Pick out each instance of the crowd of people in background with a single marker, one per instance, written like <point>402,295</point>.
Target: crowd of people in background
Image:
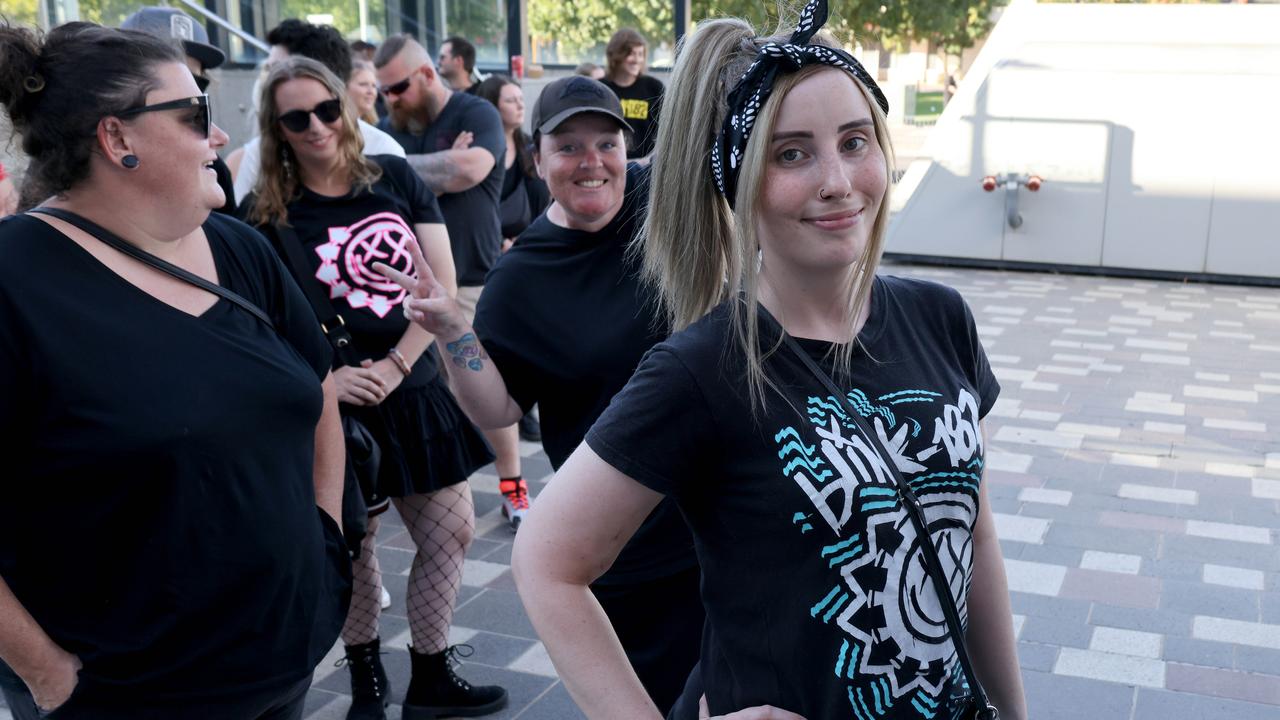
<point>365,302</point>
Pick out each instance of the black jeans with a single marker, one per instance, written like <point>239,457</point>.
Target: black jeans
<point>277,705</point>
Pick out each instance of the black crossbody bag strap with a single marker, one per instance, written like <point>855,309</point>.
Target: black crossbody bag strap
<point>114,241</point>
<point>334,327</point>
<point>983,708</point>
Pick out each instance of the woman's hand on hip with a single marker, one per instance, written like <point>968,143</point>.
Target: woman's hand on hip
<point>361,385</point>
<point>428,303</point>
<point>56,683</point>
<point>761,712</point>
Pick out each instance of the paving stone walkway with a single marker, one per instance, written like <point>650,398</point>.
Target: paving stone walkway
<point>1134,470</point>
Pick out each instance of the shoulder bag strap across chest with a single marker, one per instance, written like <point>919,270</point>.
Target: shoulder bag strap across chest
<point>331,322</point>
<point>111,239</point>
<point>915,511</point>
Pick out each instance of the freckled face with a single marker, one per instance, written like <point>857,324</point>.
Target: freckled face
<point>825,177</point>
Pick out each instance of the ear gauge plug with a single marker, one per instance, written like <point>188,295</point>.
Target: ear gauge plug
<point>130,162</point>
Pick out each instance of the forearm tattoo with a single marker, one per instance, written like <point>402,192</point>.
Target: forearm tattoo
<point>466,353</point>
<point>436,170</point>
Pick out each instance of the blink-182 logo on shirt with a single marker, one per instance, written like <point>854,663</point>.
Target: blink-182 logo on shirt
<point>635,109</point>
<point>894,651</point>
<point>346,262</point>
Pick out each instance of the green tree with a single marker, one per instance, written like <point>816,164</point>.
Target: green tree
<point>22,12</point>
<point>949,25</point>
<point>107,12</point>
<point>580,26</point>
<point>346,15</point>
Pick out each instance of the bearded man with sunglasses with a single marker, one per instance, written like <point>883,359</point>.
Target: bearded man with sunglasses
<point>173,24</point>
<point>428,119</point>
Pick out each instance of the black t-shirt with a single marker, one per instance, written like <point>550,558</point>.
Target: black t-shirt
<point>815,594</point>
<point>158,516</point>
<point>228,185</point>
<point>472,215</point>
<point>343,236</point>
<point>566,319</point>
<point>523,199</point>
<point>641,105</point>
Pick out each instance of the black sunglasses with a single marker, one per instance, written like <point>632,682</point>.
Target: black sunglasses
<point>299,120</point>
<point>200,119</point>
<point>397,88</point>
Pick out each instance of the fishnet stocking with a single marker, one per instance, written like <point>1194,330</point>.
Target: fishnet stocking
<point>441,524</point>
<point>366,592</point>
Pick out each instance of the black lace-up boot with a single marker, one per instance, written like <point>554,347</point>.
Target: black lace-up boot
<point>370,691</point>
<point>436,691</point>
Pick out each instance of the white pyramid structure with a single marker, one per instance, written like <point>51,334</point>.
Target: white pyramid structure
<point>1156,129</point>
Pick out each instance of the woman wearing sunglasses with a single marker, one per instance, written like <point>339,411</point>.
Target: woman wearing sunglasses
<point>173,457</point>
<point>332,213</point>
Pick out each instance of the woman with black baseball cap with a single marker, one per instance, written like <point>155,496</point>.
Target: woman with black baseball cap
<point>563,322</point>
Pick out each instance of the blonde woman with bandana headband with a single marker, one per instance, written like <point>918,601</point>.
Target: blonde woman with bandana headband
<point>818,600</point>
<point>819,425</point>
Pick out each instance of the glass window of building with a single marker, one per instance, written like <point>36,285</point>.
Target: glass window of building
<point>355,19</point>
<point>483,22</point>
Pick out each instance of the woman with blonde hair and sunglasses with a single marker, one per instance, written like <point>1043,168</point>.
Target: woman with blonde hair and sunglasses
<point>168,543</point>
<point>818,425</point>
<point>331,213</point>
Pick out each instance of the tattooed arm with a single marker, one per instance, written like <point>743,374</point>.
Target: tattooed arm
<point>451,171</point>
<point>475,381</point>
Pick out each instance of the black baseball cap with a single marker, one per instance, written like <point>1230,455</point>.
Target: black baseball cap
<point>173,24</point>
<point>574,95</point>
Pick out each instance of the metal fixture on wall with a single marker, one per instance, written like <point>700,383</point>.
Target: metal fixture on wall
<point>1011,183</point>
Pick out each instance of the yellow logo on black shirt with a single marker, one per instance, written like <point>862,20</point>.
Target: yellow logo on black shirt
<point>635,109</point>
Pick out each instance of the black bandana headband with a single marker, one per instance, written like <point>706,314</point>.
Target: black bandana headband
<point>751,92</point>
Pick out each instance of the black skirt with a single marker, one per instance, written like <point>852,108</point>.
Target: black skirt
<point>427,442</point>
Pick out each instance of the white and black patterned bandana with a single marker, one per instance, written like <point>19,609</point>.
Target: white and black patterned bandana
<point>751,92</point>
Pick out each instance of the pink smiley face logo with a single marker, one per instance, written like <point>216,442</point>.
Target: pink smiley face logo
<point>346,261</point>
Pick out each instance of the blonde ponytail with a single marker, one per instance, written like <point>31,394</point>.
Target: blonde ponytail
<point>688,235</point>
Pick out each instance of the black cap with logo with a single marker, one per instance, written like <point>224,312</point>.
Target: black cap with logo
<point>173,24</point>
<point>574,95</point>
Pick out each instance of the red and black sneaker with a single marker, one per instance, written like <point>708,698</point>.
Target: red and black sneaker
<point>515,501</point>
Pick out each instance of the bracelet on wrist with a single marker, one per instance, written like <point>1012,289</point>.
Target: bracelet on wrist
<point>400,362</point>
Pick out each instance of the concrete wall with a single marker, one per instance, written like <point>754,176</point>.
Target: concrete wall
<point>1153,126</point>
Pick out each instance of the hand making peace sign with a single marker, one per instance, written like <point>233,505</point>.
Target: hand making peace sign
<point>428,303</point>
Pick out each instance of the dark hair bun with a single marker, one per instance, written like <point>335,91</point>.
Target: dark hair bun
<point>19,59</point>
<point>58,87</point>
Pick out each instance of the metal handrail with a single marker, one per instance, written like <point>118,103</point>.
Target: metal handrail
<point>217,20</point>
